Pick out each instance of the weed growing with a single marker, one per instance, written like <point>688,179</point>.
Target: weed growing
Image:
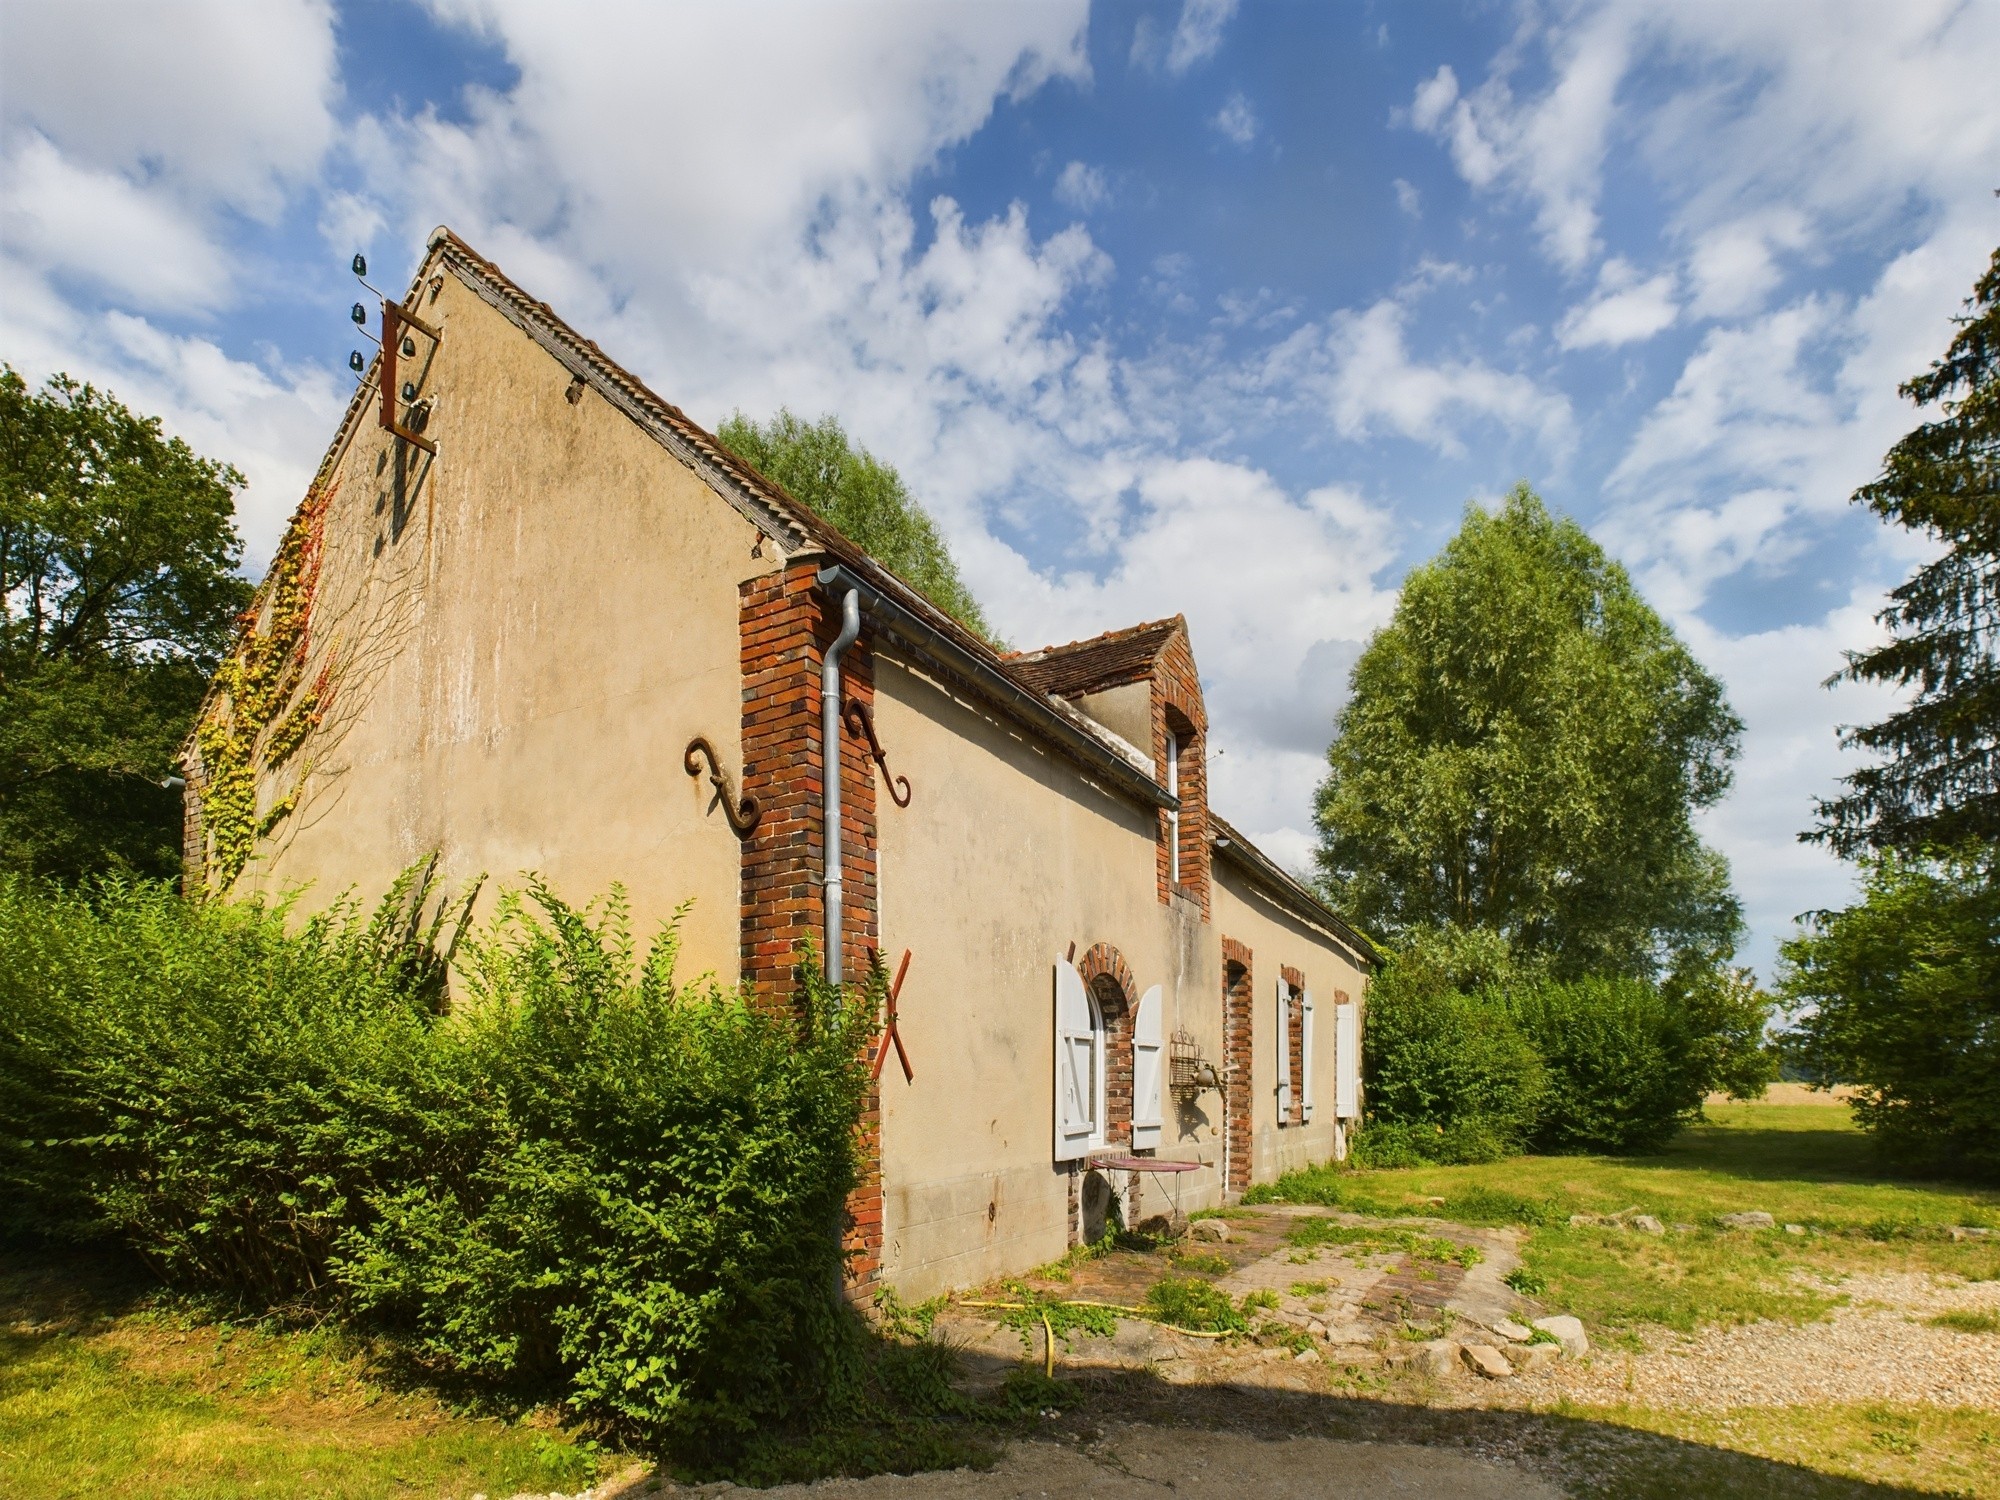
<point>1305,1234</point>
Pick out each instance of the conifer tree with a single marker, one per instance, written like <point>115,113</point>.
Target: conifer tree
<point>1937,783</point>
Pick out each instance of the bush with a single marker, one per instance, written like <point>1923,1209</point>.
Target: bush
<point>1448,1071</point>
<point>1900,994</point>
<point>581,1181</point>
<point>1622,1071</point>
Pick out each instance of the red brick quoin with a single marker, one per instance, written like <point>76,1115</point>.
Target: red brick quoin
<point>785,628</point>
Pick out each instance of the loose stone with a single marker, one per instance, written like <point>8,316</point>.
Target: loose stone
<point>1484,1360</point>
<point>1568,1332</point>
<point>1756,1218</point>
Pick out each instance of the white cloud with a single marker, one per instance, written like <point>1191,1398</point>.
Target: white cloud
<point>231,103</point>
<point>1624,310</point>
<point>1734,265</point>
<point>1358,364</point>
<point>1236,120</point>
<point>1549,149</point>
<point>1791,754</point>
<point>1199,33</point>
<point>1408,199</point>
<point>1082,187</point>
<point>97,227</point>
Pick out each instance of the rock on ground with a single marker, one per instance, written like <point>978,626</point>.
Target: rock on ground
<point>1568,1332</point>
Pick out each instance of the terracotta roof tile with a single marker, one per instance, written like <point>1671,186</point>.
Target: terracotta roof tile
<point>1103,661</point>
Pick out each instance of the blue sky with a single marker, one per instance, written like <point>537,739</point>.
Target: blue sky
<point>1189,306</point>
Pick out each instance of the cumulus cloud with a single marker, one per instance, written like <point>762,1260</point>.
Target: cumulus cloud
<point>1359,366</point>
<point>1196,37</point>
<point>1408,199</point>
<point>1623,310</point>
<point>1082,187</point>
<point>1236,120</point>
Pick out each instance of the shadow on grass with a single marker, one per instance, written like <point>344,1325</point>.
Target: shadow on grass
<point>1775,1154</point>
<point>1579,1454</point>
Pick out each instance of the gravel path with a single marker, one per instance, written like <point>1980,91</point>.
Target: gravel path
<point>1875,1348</point>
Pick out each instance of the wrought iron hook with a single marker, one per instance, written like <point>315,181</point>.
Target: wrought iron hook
<point>742,816</point>
<point>861,722</point>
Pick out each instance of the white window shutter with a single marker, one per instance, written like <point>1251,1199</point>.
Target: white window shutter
<point>1075,1065</point>
<point>1306,1056</point>
<point>1284,1041</point>
<point>1347,1059</point>
<point>1149,1069</point>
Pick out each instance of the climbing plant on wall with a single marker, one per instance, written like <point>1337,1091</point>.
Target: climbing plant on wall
<point>257,717</point>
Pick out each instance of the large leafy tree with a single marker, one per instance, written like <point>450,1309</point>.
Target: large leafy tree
<point>1900,995</point>
<point>863,497</point>
<point>1938,782</point>
<point>118,594</point>
<point>1524,750</point>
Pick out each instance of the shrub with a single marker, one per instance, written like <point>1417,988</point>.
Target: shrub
<point>1447,1064</point>
<point>1900,994</point>
<point>582,1181</point>
<point>1622,1074</point>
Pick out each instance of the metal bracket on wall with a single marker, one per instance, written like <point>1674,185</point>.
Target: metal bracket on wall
<point>742,815</point>
<point>394,316</point>
<point>889,1031</point>
<point>861,722</point>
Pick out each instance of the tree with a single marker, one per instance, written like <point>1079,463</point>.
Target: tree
<point>1900,994</point>
<point>1939,783</point>
<point>1524,749</point>
<point>864,498</point>
<point>118,595</point>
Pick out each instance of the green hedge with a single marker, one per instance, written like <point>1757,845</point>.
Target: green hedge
<point>580,1180</point>
<point>1475,1053</point>
<point>1620,1070</point>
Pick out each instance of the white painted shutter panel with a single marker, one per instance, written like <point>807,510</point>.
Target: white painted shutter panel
<point>1149,1070</point>
<point>1347,1058</point>
<point>1306,1056</point>
<point>1076,1075</point>
<point>1284,1041</point>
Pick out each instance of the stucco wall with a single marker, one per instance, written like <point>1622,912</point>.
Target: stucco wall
<point>529,629</point>
<point>1277,939</point>
<point>1004,857</point>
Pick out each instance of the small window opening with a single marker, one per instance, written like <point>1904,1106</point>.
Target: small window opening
<point>1174,817</point>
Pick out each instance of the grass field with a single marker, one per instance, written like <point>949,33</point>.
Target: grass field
<point>1804,1164</point>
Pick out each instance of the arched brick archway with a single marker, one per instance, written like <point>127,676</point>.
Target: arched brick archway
<point>1109,979</point>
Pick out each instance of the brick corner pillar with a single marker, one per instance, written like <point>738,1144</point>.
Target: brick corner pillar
<point>1238,997</point>
<point>785,627</point>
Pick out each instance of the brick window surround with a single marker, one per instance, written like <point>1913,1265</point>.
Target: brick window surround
<point>1178,709</point>
<point>1295,1042</point>
<point>1109,979</point>
<point>1238,1000</point>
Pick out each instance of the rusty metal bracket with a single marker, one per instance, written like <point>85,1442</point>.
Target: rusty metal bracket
<point>393,314</point>
<point>889,1031</point>
<point>861,722</point>
<point>742,815</point>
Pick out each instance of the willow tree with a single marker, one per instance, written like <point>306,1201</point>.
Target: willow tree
<point>864,498</point>
<point>1524,750</point>
<point>1937,782</point>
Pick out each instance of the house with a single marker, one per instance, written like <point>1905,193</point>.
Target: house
<point>531,617</point>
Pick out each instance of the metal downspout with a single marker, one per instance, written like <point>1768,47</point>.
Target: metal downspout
<point>829,774</point>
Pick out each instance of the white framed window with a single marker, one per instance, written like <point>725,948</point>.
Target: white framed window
<point>1174,817</point>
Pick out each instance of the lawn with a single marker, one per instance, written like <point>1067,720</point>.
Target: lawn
<point>1804,1164</point>
<point>108,1389</point>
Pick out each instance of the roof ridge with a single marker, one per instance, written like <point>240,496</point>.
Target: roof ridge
<point>1123,632</point>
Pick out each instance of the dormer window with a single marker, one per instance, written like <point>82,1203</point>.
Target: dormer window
<point>1174,817</point>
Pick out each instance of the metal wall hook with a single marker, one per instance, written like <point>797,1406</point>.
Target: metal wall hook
<point>861,723</point>
<point>742,815</point>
